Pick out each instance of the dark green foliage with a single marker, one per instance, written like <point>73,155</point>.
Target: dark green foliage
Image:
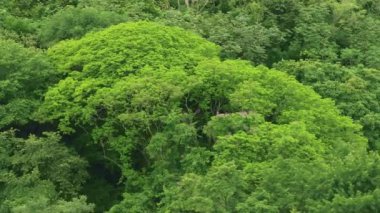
<point>25,74</point>
<point>240,36</point>
<point>39,174</point>
<point>74,23</point>
<point>35,8</point>
<point>19,29</point>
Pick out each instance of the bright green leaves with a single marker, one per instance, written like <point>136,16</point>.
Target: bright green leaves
<point>267,142</point>
<point>126,48</point>
<point>236,87</point>
<point>230,123</point>
<point>193,133</point>
<point>355,89</point>
<point>259,100</point>
<point>126,87</point>
<point>72,95</point>
<point>217,81</point>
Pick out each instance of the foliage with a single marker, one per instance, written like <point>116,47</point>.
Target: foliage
<point>149,117</point>
<point>24,77</point>
<point>227,117</point>
<point>240,36</point>
<point>40,174</point>
<point>355,90</point>
<point>35,9</point>
<point>20,29</point>
<point>74,23</point>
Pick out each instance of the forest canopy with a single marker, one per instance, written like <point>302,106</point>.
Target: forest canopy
<point>189,106</point>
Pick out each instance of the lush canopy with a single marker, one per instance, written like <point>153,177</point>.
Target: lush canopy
<point>194,118</point>
<point>189,106</point>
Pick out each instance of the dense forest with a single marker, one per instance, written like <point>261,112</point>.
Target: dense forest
<point>189,106</point>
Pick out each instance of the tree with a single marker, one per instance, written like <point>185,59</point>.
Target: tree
<point>25,75</point>
<point>354,89</point>
<point>239,35</point>
<point>35,9</point>
<point>22,30</point>
<point>70,23</point>
<point>162,120</point>
<point>179,118</point>
<point>40,174</point>
<point>129,96</point>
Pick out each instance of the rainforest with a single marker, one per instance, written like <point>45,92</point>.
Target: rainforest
<point>175,106</point>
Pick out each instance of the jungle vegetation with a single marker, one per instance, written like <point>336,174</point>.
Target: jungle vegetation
<point>189,106</point>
